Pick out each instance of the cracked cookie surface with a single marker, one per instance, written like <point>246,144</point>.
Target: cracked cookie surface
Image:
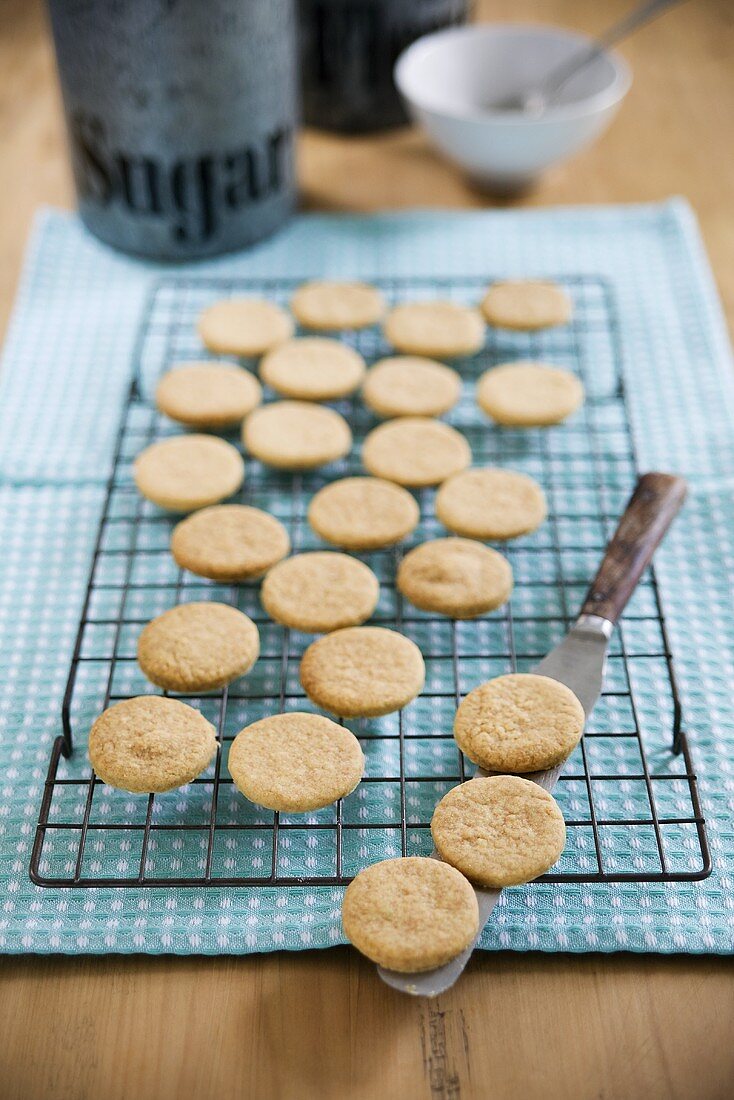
<point>499,831</point>
<point>362,671</point>
<point>320,591</point>
<point>295,762</point>
<point>198,647</point>
<point>150,744</point>
<point>521,722</point>
<point>410,914</point>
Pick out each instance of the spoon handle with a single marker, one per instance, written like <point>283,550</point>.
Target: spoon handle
<point>559,77</point>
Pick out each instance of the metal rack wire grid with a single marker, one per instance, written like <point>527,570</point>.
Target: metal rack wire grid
<point>628,793</point>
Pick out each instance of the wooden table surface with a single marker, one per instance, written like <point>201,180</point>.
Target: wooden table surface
<point>320,1024</point>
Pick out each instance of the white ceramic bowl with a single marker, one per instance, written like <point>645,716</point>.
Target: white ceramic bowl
<point>450,79</point>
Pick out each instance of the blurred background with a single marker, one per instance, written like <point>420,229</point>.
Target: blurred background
<point>672,135</point>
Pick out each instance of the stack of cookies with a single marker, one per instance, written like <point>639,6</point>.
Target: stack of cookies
<point>411,913</point>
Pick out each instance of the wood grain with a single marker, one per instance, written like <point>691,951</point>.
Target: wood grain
<point>653,506</point>
<point>320,1024</point>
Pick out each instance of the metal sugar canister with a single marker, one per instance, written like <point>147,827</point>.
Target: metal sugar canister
<point>181,118</point>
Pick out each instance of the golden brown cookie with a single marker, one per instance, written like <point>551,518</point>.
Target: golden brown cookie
<point>529,395</point>
<point>150,744</point>
<point>208,395</point>
<point>313,368</point>
<point>229,542</point>
<point>519,723</point>
<point>456,577</point>
<point>500,831</point>
<point>415,451</point>
<point>438,330</point>
<point>295,762</point>
<point>526,304</point>
<point>410,914</point>
<point>325,304</point>
<point>406,385</point>
<point>320,591</point>
<point>198,647</point>
<point>491,503</point>
<point>187,472</point>
<point>362,672</point>
<point>363,513</point>
<point>296,435</point>
<point>244,326</point>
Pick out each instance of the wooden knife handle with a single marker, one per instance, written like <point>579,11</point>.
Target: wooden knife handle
<point>651,509</point>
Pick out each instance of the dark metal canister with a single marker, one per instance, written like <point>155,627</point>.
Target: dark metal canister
<point>181,117</point>
<point>348,50</point>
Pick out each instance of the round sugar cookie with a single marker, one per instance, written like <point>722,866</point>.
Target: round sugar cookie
<point>362,672</point>
<point>437,330</point>
<point>187,472</point>
<point>363,513</point>
<point>313,368</point>
<point>320,591</point>
<point>296,435</point>
<point>150,744</point>
<point>244,326</point>
<point>198,647</point>
<point>328,305</point>
<point>295,762</point>
<point>406,385</point>
<point>415,451</point>
<point>529,395</point>
<point>208,395</point>
<point>490,503</point>
<point>499,831</point>
<point>229,542</point>
<point>456,577</point>
<point>410,914</point>
<point>519,723</point>
<point>526,304</point>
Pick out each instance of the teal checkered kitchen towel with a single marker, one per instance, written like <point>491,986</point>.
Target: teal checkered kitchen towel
<point>66,371</point>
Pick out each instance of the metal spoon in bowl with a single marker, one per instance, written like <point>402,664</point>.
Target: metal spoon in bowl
<point>535,100</point>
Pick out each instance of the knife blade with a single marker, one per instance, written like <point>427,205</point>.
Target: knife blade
<point>578,661</point>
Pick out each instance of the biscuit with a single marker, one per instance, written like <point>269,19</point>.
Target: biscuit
<point>406,385</point>
<point>526,304</point>
<point>187,472</point>
<point>362,672</point>
<point>437,330</point>
<point>491,503</point>
<point>325,305</point>
<point>456,577</point>
<point>313,368</point>
<point>295,762</point>
<point>320,591</point>
<point>198,647</point>
<point>415,451</point>
<point>410,914</point>
<point>499,831</point>
<point>529,395</point>
<point>244,326</point>
<point>296,435</point>
<point>229,542</point>
<point>150,744</point>
<point>519,723</point>
<point>363,513</point>
<point>208,395</point>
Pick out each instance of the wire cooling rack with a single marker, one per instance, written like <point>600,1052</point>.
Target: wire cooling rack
<point>629,791</point>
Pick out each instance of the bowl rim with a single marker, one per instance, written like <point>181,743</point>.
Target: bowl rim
<point>591,104</point>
